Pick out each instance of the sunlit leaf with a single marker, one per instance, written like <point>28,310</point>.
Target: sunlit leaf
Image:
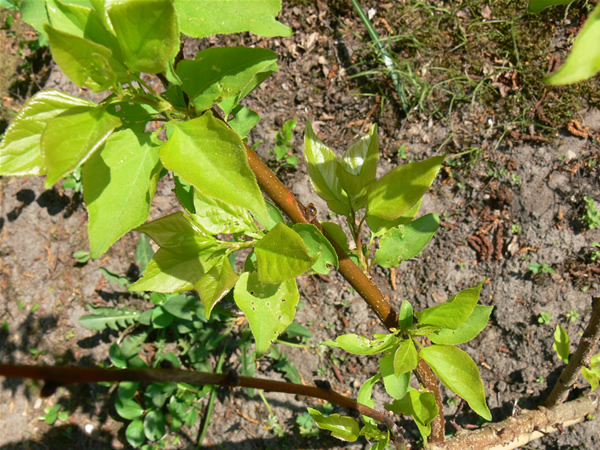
<point>406,357</point>
<point>421,406</point>
<point>318,246</point>
<point>470,328</point>
<point>395,385</point>
<point>561,343</point>
<point>341,427</point>
<point>454,311</point>
<point>360,345</point>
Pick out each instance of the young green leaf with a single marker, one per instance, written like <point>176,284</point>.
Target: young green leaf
<point>584,60</point>
<point>282,255</point>
<point>459,373</point>
<point>20,152</point>
<point>358,168</point>
<point>244,119</point>
<point>235,16</point>
<point>212,157</point>
<point>341,427</point>
<point>454,311</point>
<point>406,357</point>
<point>365,394</point>
<point>154,425</point>
<point>421,406</point>
<point>84,62</point>
<point>337,234</point>
<point>181,306</point>
<point>171,230</point>
<point>592,376</point>
<point>143,252</point>
<point>128,408</point>
<point>465,332</point>
<point>217,216</point>
<point>405,317</point>
<point>113,318</point>
<point>147,33</point>
<point>322,165</point>
<point>70,139</point>
<point>135,433</point>
<point>360,345</point>
<point>118,186</point>
<point>318,246</point>
<point>395,385</point>
<point>270,308</point>
<point>379,227</point>
<point>224,72</point>
<point>406,241</point>
<point>400,189</point>
<point>561,343</point>
<point>216,283</point>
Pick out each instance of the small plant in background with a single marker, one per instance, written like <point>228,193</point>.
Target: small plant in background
<point>54,413</point>
<point>540,268</point>
<point>544,318</point>
<point>573,315</point>
<point>283,145</point>
<point>591,215</point>
<point>595,253</point>
<point>73,181</point>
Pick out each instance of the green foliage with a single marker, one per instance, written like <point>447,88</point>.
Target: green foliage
<point>283,144</point>
<point>592,215</point>
<point>540,268</point>
<point>544,318</point>
<point>561,343</point>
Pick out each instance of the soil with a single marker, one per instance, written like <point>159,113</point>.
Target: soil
<point>509,195</point>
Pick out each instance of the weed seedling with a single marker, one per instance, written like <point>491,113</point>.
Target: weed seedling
<point>540,268</point>
<point>573,315</point>
<point>544,318</point>
<point>592,215</point>
<point>283,145</point>
<point>595,253</point>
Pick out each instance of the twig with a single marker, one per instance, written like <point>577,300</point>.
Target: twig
<point>525,427</point>
<point>58,376</point>
<point>579,359</point>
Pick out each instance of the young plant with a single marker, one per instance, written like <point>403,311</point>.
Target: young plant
<point>592,215</point>
<point>283,145</point>
<point>540,268</point>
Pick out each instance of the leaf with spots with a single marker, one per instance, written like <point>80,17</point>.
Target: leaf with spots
<point>270,308</point>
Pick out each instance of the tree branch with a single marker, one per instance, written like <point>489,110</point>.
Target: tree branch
<point>579,359</point>
<point>58,376</point>
<point>527,426</point>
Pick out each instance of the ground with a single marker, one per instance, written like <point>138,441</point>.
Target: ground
<point>520,159</point>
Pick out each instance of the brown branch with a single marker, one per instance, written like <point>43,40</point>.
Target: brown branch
<point>579,359</point>
<point>527,426</point>
<point>427,378</point>
<point>58,376</point>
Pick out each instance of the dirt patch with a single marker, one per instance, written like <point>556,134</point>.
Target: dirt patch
<point>510,195</point>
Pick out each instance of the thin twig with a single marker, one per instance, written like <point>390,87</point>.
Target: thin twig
<point>58,376</point>
<point>581,358</point>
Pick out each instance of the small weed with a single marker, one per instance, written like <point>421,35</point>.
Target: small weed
<point>591,216</point>
<point>307,425</point>
<point>81,256</point>
<point>544,318</point>
<point>516,229</point>
<point>595,253</point>
<point>573,315</point>
<point>539,379</point>
<point>73,181</point>
<point>283,145</point>
<point>540,268</point>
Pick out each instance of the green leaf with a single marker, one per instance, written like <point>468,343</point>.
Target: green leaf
<point>365,394</point>
<point>459,373</point>
<point>181,306</point>
<point>172,230</point>
<point>470,328</point>
<point>421,406</point>
<point>216,283</point>
<point>406,241</point>
<point>358,168</point>
<point>561,343</point>
<point>135,433</point>
<point>234,16</point>
<point>281,255</point>
<point>84,62</point>
<point>538,5</point>
<point>20,152</point>
<point>244,119</point>
<point>128,408</point>
<point>52,414</point>
<point>224,72</point>
<point>270,308</point>
<point>119,182</point>
<point>318,246</point>
<point>212,157</point>
<point>71,138</point>
<point>35,16</point>
<point>584,60</point>
<point>275,216</point>
<point>406,357</point>
<point>154,425</point>
<point>112,318</point>
<point>143,252</point>
<point>454,311</point>
<point>147,33</point>
<point>381,226</point>
<point>297,330</point>
<point>400,189</point>
<point>322,166</point>
<point>337,234</point>
<point>161,318</point>
<point>395,385</point>
<point>360,345</point>
<point>184,193</point>
<point>217,216</point>
<point>405,317</point>
<point>341,427</point>
<point>592,376</point>
<point>116,356</point>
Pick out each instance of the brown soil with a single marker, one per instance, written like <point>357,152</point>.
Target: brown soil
<point>514,199</point>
